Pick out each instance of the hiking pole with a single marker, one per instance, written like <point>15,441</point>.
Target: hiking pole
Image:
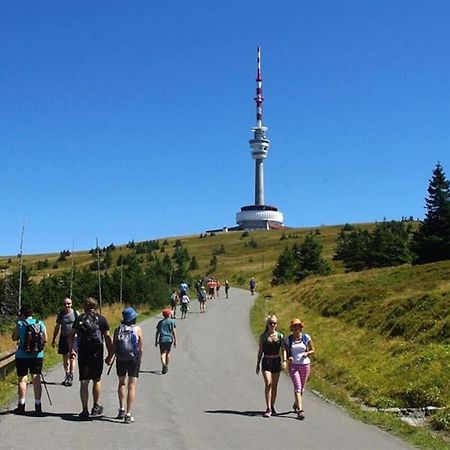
<point>99,278</point>
<point>71,273</point>
<point>46,389</point>
<point>110,367</point>
<point>21,266</point>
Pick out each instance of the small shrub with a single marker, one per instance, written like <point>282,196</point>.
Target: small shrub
<point>440,420</point>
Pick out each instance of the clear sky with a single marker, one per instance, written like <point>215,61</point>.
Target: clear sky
<point>130,119</point>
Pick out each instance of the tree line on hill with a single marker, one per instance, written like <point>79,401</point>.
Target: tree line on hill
<point>388,244</point>
<point>136,283</point>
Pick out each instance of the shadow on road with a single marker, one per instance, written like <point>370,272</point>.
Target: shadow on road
<point>284,415</point>
<point>153,372</point>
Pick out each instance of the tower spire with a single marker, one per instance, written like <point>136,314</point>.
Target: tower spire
<point>259,92</point>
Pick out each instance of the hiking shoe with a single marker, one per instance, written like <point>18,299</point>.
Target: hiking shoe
<point>121,414</point>
<point>128,418</point>
<point>84,415</point>
<point>38,408</point>
<point>20,410</point>
<point>274,413</point>
<point>96,410</point>
<point>164,369</point>
<point>268,413</point>
<point>300,415</point>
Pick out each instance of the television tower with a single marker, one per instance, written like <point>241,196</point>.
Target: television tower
<point>259,215</point>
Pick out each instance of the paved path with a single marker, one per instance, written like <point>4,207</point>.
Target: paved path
<point>211,398</point>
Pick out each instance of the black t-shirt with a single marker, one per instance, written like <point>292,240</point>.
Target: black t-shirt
<point>85,346</point>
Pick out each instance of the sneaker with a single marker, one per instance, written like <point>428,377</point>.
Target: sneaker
<point>300,414</point>
<point>268,413</point>
<point>164,369</point>
<point>69,381</point>
<point>38,408</point>
<point>84,415</point>
<point>128,418</point>
<point>64,382</point>
<point>274,413</point>
<point>121,414</point>
<point>20,410</point>
<point>96,410</point>
<point>294,407</point>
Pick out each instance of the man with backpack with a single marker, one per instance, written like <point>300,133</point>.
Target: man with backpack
<point>64,323</point>
<point>31,336</point>
<point>127,348</point>
<point>92,331</point>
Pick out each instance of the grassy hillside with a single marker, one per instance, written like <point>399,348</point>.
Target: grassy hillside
<point>382,336</point>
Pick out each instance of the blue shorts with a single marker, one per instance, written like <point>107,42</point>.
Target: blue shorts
<point>164,347</point>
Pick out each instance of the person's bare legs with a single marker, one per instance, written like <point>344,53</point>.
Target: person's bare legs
<point>273,396</point>
<point>84,393</point>
<point>37,386</point>
<point>268,388</point>
<point>121,392</point>
<point>96,390</point>
<point>132,383</point>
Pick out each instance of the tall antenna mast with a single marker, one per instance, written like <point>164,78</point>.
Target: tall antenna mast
<point>99,278</point>
<point>259,92</point>
<point>21,265</point>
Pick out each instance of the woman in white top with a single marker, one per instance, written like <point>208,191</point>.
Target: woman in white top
<point>297,348</point>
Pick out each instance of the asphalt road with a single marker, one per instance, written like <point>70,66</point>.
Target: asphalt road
<point>211,398</point>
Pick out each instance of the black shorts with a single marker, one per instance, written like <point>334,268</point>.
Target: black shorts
<point>164,347</point>
<point>271,364</point>
<point>90,366</point>
<point>63,345</point>
<point>32,365</point>
<point>130,368</point>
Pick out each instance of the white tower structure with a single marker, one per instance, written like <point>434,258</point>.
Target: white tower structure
<point>259,215</point>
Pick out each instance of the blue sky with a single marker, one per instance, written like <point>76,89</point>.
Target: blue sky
<point>131,120</point>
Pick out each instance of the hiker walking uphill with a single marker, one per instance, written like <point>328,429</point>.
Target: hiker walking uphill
<point>92,330</point>
<point>165,336</point>
<point>64,322</point>
<point>31,336</point>
<point>252,285</point>
<point>127,348</point>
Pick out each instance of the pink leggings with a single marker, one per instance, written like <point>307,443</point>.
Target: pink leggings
<point>299,375</point>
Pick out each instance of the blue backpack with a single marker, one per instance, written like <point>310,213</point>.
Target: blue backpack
<point>126,343</point>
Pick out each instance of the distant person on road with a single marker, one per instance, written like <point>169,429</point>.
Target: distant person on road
<point>184,288</point>
<point>184,305</point>
<point>92,331</point>
<point>64,321</point>
<point>217,288</point>
<point>127,348</point>
<point>31,336</point>
<point>165,336</point>
<point>252,285</point>
<point>270,343</point>
<point>297,348</point>
<point>174,299</point>
<point>227,288</point>
<point>211,288</point>
<point>201,297</point>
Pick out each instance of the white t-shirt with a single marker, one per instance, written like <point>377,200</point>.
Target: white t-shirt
<point>298,348</point>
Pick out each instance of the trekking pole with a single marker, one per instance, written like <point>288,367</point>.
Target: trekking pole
<point>99,277</point>
<point>21,266</point>
<point>71,273</point>
<point>46,389</point>
<point>110,367</point>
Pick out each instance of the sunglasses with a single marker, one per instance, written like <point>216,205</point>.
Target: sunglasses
<point>67,304</point>
<point>273,323</point>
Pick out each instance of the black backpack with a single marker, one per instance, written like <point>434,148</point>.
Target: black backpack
<point>34,337</point>
<point>88,329</point>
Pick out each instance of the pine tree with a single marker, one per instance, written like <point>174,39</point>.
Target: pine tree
<point>310,260</point>
<point>432,239</point>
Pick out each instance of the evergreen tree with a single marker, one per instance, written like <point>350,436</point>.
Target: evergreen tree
<point>286,267</point>
<point>432,239</point>
<point>310,260</point>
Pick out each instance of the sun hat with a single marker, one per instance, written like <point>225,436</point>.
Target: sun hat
<point>166,312</point>
<point>295,322</point>
<point>129,314</point>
